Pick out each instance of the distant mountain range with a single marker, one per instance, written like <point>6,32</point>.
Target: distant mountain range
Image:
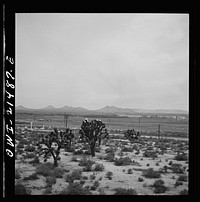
<point>108,110</point>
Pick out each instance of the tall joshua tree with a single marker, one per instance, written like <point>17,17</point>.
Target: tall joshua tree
<point>48,140</point>
<point>93,131</point>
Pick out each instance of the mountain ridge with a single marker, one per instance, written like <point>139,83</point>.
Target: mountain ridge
<point>107,109</point>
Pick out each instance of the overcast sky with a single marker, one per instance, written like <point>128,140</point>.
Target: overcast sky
<point>94,60</point>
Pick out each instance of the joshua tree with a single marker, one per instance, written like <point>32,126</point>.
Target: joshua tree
<point>66,137</point>
<point>92,131</point>
<point>48,140</point>
<point>131,135</point>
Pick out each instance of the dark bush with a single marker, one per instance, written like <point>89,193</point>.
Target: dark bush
<point>127,149</point>
<point>29,156</point>
<point>183,192</point>
<point>99,167</point>
<point>35,161</point>
<point>85,162</point>
<point>109,175</point>
<point>122,161</point>
<point>110,157</point>
<point>159,187</point>
<point>122,191</point>
<point>17,175</point>
<point>74,175</point>
<point>20,190</point>
<point>29,148</point>
<point>151,154</point>
<point>178,183</point>
<point>140,179</point>
<point>150,173</point>
<point>32,177</point>
<point>76,189</point>
<point>50,181</point>
<point>177,168</point>
<point>181,157</point>
<point>183,178</point>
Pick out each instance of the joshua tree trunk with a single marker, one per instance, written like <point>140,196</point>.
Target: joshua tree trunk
<point>99,141</point>
<point>55,159</point>
<point>92,148</point>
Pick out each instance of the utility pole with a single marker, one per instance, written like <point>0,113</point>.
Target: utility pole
<point>66,119</point>
<point>158,131</point>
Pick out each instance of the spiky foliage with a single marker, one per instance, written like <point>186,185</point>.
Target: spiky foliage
<point>131,135</point>
<point>48,141</point>
<point>66,137</point>
<point>93,131</point>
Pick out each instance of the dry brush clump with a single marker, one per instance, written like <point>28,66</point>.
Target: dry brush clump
<point>122,161</point>
<point>75,188</point>
<point>151,173</point>
<point>123,191</point>
<point>159,186</point>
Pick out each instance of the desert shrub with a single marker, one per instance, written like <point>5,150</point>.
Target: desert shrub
<point>99,167</point>
<point>140,179</point>
<point>183,192</point>
<point>148,164</point>
<point>183,178</point>
<point>20,145</point>
<point>150,173</point>
<point>177,168</point>
<point>34,161</point>
<point>181,157</point>
<point>101,191</point>
<point>130,171</point>
<point>78,152</point>
<point>32,177</point>
<point>74,175</point>
<point>43,170</point>
<point>50,181</point>
<point>76,188</point>
<point>85,177</point>
<point>109,175</point>
<point>122,191</point>
<point>85,161</point>
<point>29,148</point>
<point>110,150</point>
<point>29,156</point>
<point>157,164</point>
<point>95,185</point>
<point>127,149</point>
<point>122,161</point>
<point>110,157</point>
<point>178,183</point>
<point>17,175</point>
<point>92,177</point>
<point>70,149</point>
<point>20,190</point>
<point>58,172</point>
<point>170,163</point>
<point>159,187</point>
<point>74,159</point>
<point>48,190</point>
<point>151,154</point>
<point>82,182</point>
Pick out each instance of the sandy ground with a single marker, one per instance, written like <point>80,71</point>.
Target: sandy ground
<point>120,176</point>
